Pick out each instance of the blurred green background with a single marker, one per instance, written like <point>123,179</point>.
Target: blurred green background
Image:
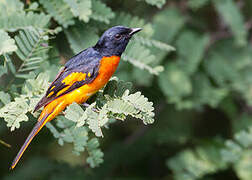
<point>202,91</point>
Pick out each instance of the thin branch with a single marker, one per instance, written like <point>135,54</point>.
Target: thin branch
<point>5,144</point>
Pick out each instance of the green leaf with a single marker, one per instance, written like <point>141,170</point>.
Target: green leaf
<point>8,7</point>
<point>78,136</point>
<point>235,148</point>
<point>76,114</point>
<point>95,155</point>
<point>101,12</point>
<point>174,83</point>
<point>80,8</point>
<point>13,17</point>
<point>15,112</point>
<point>119,106</point>
<point>93,121</point>
<point>232,16</point>
<point>205,93</point>
<point>3,70</point>
<point>238,153</point>
<point>244,166</point>
<point>36,86</point>
<point>78,40</point>
<point>169,19</point>
<point>141,57</point>
<point>158,3</point>
<point>190,57</point>
<point>154,43</point>
<point>59,10</point>
<point>7,44</point>
<point>32,49</point>
<point>4,97</point>
<point>141,104</point>
<point>197,4</point>
<point>194,164</point>
<point>116,88</point>
<point>231,67</point>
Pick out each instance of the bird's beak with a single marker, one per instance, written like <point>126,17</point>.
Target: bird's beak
<point>134,31</point>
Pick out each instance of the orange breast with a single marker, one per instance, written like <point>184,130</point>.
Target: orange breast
<point>107,68</point>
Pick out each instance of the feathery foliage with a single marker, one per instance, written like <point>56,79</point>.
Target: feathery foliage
<point>13,17</point>
<point>78,40</point>
<point>60,11</point>
<point>158,3</point>
<point>80,8</point>
<point>194,164</point>
<point>101,12</point>
<point>7,44</point>
<point>32,49</point>
<point>231,15</point>
<point>192,60</point>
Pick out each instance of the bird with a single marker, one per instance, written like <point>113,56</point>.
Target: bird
<point>81,77</point>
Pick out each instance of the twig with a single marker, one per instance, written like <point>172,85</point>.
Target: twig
<point>5,144</point>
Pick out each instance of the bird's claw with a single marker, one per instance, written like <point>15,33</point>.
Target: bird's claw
<point>87,105</point>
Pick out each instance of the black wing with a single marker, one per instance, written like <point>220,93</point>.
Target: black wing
<point>80,70</point>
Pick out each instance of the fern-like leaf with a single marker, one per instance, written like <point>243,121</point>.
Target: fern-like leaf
<point>13,17</point>
<point>76,114</point>
<point>80,8</point>
<point>118,104</point>
<point>4,98</point>
<point>79,40</point>
<point>237,152</point>
<point>197,44</point>
<point>32,49</point>
<point>194,164</point>
<point>158,3</point>
<point>15,112</point>
<point>234,19</point>
<point>170,19</point>
<point>154,43</point>
<point>141,60</point>
<point>59,10</point>
<point>7,44</point>
<point>101,12</point>
<point>196,4</point>
<point>3,70</point>
<point>95,155</point>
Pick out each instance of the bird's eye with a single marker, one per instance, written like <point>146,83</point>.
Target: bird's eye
<point>118,36</point>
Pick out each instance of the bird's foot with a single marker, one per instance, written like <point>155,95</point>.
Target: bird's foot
<point>87,105</point>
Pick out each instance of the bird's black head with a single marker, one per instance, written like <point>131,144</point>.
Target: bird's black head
<point>114,41</point>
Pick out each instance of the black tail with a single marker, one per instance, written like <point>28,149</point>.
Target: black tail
<point>28,140</point>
